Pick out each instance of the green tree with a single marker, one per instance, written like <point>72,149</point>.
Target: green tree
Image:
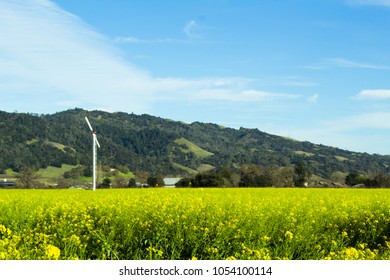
<point>283,177</point>
<point>251,180</point>
<point>185,183</point>
<point>301,175</point>
<point>208,180</point>
<point>28,178</point>
<point>74,172</point>
<point>256,176</point>
<point>106,183</point>
<point>355,178</point>
<point>120,182</point>
<point>155,181</point>
<point>383,180</point>
<point>132,183</point>
<point>87,171</point>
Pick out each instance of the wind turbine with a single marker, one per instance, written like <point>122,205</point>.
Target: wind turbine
<point>94,143</point>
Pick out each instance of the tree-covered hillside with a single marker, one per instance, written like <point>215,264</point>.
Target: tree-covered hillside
<point>163,147</point>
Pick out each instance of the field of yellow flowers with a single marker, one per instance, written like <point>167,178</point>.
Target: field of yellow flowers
<point>195,224</point>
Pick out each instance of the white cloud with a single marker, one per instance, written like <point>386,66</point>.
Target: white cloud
<point>51,59</point>
<point>51,55</point>
<point>192,29</point>
<point>243,95</point>
<point>375,94</point>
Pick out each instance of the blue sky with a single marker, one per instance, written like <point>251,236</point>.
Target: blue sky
<point>311,70</point>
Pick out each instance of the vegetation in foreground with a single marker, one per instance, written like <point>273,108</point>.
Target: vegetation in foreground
<point>195,224</point>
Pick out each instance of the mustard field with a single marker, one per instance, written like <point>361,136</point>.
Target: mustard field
<point>195,224</point>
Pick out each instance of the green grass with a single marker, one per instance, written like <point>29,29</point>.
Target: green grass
<point>51,174</point>
<point>291,139</point>
<point>303,153</point>
<point>54,172</point>
<point>9,171</point>
<point>340,158</point>
<point>56,145</point>
<point>191,147</point>
<point>32,141</point>
<point>205,168</point>
<point>184,168</point>
<point>195,224</point>
<point>198,152</point>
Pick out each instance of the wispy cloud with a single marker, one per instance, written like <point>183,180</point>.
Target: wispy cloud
<point>244,95</point>
<point>291,81</point>
<point>373,94</point>
<point>135,40</point>
<point>341,132</point>
<point>340,62</point>
<point>377,120</point>
<point>192,29</point>
<point>313,98</point>
<point>385,3</point>
<point>228,89</point>
<point>49,55</point>
<point>346,63</point>
<point>51,59</point>
<point>128,39</point>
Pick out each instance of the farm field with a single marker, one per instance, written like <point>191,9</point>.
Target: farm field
<point>202,224</point>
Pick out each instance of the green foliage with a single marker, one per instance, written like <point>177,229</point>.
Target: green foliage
<point>202,180</point>
<point>74,173</point>
<point>190,147</point>
<point>248,180</point>
<point>27,178</point>
<point>355,178</point>
<point>301,175</point>
<point>256,176</point>
<point>379,180</point>
<point>207,180</point>
<point>155,181</point>
<point>132,183</point>
<point>106,183</point>
<point>185,183</point>
<point>143,143</point>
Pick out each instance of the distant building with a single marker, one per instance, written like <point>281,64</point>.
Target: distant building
<point>6,184</point>
<point>141,185</point>
<point>171,182</point>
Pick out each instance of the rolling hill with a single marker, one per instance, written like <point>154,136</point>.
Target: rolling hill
<point>144,143</point>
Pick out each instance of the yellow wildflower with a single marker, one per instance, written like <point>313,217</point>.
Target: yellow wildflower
<point>289,235</point>
<point>52,252</point>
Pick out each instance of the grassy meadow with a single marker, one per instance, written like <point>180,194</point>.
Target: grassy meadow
<point>202,224</point>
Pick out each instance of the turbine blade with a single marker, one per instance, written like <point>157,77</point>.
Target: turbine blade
<point>89,124</point>
<point>97,142</point>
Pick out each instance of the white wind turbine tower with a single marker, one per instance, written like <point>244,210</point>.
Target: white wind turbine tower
<point>94,143</point>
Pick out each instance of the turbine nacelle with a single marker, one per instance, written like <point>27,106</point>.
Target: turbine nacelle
<point>93,132</point>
